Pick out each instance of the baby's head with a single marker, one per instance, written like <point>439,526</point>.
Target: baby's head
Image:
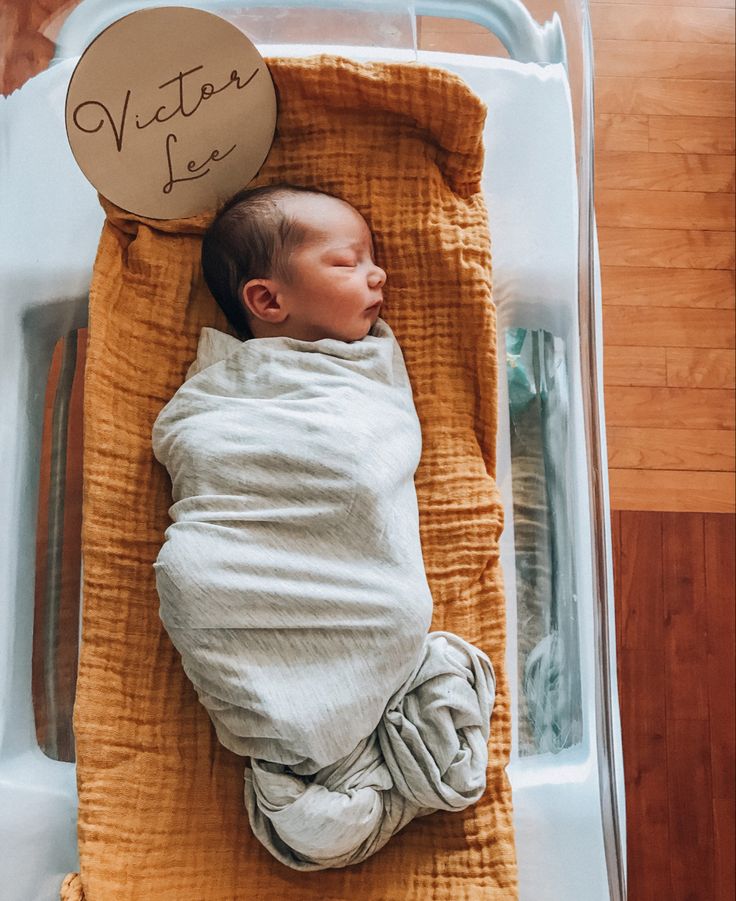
<point>289,261</point>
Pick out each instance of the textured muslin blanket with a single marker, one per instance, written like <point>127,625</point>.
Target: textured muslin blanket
<point>161,812</point>
<point>293,585</point>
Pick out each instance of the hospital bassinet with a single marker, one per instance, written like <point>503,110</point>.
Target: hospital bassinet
<point>566,762</point>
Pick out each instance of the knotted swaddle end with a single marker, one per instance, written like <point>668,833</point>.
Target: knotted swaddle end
<point>429,752</point>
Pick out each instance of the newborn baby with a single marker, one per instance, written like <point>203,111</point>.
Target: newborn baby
<point>287,261</point>
<point>291,579</point>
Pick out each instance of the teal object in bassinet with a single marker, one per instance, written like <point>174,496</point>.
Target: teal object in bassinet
<point>543,484</point>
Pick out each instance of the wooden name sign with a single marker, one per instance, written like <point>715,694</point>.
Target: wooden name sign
<point>170,111</point>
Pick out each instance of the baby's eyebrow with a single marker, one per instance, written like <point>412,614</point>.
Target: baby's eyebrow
<point>356,244</point>
<point>342,246</point>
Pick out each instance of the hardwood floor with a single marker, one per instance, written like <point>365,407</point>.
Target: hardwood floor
<point>674,578</point>
<point>664,170</point>
<point>665,175</point>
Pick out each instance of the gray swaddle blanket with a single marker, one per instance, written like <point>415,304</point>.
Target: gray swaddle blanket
<point>292,583</point>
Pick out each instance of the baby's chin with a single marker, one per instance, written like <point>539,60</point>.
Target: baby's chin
<point>349,336</point>
<point>355,333</point>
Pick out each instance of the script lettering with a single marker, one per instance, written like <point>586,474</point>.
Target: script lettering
<point>192,165</point>
<point>117,132</point>
<point>206,90</point>
<point>188,100</point>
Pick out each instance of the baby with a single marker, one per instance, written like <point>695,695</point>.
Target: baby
<point>291,578</point>
<point>289,261</point>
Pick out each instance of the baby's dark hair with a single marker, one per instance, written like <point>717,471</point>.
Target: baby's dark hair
<point>251,236</point>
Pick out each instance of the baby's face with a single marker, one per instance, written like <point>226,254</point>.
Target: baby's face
<point>334,287</point>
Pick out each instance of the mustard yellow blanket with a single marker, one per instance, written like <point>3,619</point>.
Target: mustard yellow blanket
<point>161,812</point>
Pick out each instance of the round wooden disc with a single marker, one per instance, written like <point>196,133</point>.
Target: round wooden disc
<point>170,111</point>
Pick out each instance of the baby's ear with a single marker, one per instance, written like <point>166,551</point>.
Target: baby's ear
<point>260,297</point>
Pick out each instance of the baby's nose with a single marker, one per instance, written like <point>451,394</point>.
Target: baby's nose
<point>377,277</point>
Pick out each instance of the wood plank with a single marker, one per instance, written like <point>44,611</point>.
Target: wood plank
<point>724,827</point>
<point>664,209</point>
<point>664,59</point>
<point>687,706</point>
<point>640,603</point>
<point>690,134</point>
<point>645,743</point>
<point>651,448</point>
<point>670,408</point>
<point>700,368</point>
<point>646,171</point>
<point>663,96</point>
<point>691,835</point>
<point>671,248</point>
<point>449,25</point>
<point>619,21</point>
<point>700,4</point>
<point>720,575</point>
<point>617,132</point>
<point>634,365</point>
<point>457,36</point>
<point>668,326</point>
<point>639,611</point>
<point>655,286</point>
<point>685,620</point>
<point>672,490</point>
